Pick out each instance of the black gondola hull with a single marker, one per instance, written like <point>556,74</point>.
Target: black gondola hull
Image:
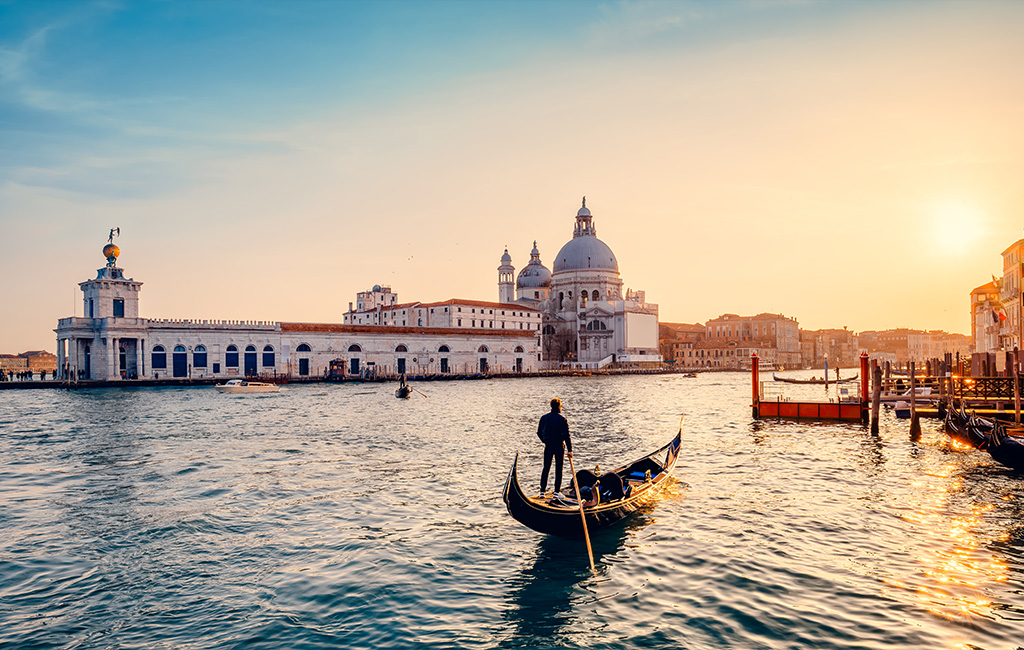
<point>565,521</point>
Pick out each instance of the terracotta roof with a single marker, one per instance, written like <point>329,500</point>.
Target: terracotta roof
<point>479,303</point>
<point>339,328</point>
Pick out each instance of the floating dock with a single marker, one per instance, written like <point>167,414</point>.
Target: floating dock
<point>845,409</point>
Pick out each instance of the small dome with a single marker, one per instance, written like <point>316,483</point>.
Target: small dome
<point>111,252</point>
<point>534,276</point>
<point>506,258</point>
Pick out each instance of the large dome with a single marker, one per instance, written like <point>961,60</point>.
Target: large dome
<point>586,252</point>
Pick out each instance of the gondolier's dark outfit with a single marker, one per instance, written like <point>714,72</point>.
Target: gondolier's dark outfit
<point>553,431</point>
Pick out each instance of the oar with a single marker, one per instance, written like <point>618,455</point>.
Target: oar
<point>419,391</point>
<point>579,500</point>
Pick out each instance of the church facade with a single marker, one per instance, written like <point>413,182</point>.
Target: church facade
<point>588,321</point>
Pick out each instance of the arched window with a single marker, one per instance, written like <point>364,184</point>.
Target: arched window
<point>268,356</point>
<point>354,348</point>
<point>159,358</point>
<point>199,356</point>
<point>303,348</point>
<point>250,348</point>
<point>443,348</point>
<point>231,357</point>
<point>561,297</point>
<point>549,330</point>
<point>593,295</point>
<point>483,348</point>
<point>179,348</point>
<point>401,348</point>
<point>519,349</point>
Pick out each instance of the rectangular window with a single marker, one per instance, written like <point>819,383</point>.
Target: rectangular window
<point>216,367</point>
<point>199,359</point>
<point>231,359</point>
<point>118,307</point>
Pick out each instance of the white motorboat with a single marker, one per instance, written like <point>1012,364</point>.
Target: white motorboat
<point>243,386</point>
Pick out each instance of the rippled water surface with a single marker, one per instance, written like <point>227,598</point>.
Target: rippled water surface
<point>336,516</point>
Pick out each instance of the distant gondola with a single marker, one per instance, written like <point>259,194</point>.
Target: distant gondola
<point>557,515</point>
<point>788,380</point>
<point>403,392</point>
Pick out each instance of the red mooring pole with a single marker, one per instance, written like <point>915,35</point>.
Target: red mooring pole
<point>864,386</point>
<point>755,394</point>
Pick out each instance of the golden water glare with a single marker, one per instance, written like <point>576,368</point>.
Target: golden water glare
<point>955,564</point>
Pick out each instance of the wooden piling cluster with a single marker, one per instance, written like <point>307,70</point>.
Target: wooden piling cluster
<point>929,387</point>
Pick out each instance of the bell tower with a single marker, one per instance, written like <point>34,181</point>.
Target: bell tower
<point>506,273</point>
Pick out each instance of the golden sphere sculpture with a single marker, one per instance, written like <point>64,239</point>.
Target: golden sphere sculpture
<point>111,251</point>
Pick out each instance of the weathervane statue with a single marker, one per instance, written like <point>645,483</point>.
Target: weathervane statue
<point>111,251</point>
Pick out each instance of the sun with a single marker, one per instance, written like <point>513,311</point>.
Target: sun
<point>954,226</point>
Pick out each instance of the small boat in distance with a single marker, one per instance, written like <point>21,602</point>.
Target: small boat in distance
<point>558,514</point>
<point>815,380</point>
<point>402,392</point>
<point>243,386</point>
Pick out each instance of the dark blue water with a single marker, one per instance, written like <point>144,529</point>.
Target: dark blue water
<point>341,517</point>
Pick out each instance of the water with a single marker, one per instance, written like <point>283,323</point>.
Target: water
<point>336,516</point>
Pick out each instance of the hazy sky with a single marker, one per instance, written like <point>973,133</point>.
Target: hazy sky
<point>849,164</point>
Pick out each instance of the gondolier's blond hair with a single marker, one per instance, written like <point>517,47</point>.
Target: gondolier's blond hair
<point>556,404</point>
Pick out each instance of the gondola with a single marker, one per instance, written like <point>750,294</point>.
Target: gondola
<point>967,429</point>
<point>556,514</point>
<point>403,392</point>
<point>789,380</point>
<point>1006,449</point>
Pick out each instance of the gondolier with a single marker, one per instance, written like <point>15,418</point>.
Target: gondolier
<point>553,431</point>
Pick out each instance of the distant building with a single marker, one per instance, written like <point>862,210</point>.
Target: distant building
<point>677,342</point>
<point>902,345</point>
<point>892,342</point>
<point>987,318</point>
<point>36,361</point>
<point>839,346</point>
<point>730,339</point>
<point>1010,295</point>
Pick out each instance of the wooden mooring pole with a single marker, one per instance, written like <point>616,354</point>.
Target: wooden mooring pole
<point>915,423</point>
<point>1016,386</point>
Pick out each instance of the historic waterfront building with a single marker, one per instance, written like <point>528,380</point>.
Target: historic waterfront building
<point>587,321</point>
<point>113,341</point>
<point>987,318</point>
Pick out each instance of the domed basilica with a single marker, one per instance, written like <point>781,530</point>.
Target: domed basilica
<point>587,320</point>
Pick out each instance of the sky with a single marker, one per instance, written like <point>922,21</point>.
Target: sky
<point>847,164</point>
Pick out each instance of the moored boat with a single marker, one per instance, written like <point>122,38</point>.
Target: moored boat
<point>243,386</point>
<point>557,514</point>
<point>814,380</point>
